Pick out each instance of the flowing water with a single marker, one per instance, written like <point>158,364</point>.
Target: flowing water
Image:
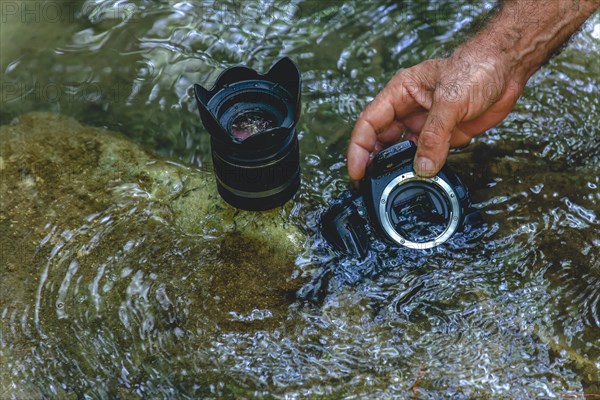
<point>512,313</point>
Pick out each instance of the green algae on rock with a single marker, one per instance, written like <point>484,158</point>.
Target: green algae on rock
<point>95,191</point>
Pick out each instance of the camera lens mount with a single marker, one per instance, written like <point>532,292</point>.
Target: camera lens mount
<point>410,200</point>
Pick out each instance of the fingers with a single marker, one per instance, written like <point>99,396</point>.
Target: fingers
<point>392,134</point>
<point>373,120</point>
<point>434,140</point>
<point>379,121</point>
<point>358,157</point>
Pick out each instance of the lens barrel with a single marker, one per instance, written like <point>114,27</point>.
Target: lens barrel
<point>251,119</point>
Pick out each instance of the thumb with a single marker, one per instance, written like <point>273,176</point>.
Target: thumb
<point>434,140</point>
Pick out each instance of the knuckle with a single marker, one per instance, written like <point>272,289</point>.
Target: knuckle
<point>429,65</point>
<point>450,92</point>
<point>426,72</point>
<point>373,126</point>
<point>431,138</point>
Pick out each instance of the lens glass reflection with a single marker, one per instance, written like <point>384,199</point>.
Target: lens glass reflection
<point>250,123</point>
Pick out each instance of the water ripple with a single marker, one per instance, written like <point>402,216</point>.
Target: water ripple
<point>123,304</point>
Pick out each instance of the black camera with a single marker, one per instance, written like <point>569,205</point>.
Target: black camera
<point>403,208</point>
<point>251,120</point>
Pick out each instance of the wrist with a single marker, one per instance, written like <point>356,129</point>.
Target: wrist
<point>498,49</point>
<point>478,56</point>
<point>524,34</point>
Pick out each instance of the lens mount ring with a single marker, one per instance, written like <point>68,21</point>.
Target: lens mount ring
<point>446,189</point>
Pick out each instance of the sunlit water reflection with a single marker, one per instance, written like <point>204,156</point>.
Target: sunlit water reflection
<point>513,312</point>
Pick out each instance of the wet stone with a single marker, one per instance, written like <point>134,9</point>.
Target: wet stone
<point>95,198</point>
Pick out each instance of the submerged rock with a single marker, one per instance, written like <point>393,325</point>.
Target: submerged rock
<point>79,201</point>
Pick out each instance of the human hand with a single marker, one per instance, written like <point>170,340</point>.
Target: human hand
<point>437,104</point>
<point>444,103</point>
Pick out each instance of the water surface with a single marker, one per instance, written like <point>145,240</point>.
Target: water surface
<point>514,313</point>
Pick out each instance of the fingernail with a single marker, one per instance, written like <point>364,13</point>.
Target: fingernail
<point>424,167</point>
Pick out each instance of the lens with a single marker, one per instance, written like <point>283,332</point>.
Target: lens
<point>250,123</point>
<point>251,119</point>
<point>418,211</point>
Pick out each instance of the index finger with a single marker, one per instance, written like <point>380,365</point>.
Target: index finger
<point>377,116</point>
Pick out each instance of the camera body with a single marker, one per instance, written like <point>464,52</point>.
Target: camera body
<point>398,206</point>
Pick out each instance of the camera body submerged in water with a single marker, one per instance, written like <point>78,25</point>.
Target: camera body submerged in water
<point>398,206</point>
<point>251,120</point>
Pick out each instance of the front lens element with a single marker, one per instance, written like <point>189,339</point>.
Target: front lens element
<point>250,123</point>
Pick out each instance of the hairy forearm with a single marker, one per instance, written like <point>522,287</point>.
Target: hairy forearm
<point>524,34</point>
<point>445,102</point>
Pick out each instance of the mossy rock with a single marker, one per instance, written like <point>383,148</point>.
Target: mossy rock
<point>107,201</point>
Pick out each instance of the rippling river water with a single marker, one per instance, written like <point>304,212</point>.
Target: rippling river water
<point>109,300</point>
